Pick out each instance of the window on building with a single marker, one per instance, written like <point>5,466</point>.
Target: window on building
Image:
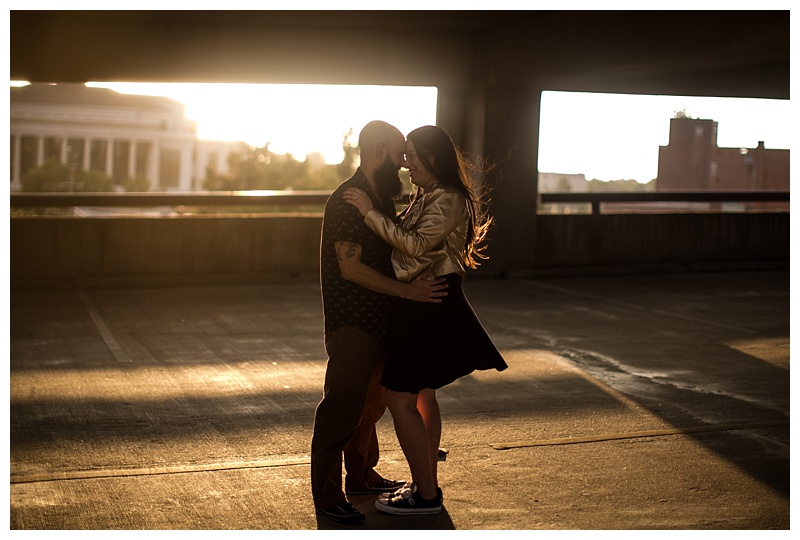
<point>28,154</point>
<point>98,156</point>
<point>143,149</point>
<point>170,168</point>
<point>121,158</point>
<point>75,151</point>
<point>52,149</point>
<point>213,161</point>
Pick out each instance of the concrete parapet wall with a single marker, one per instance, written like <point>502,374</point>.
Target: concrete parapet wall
<point>231,247</point>
<point>658,239</point>
<point>75,248</point>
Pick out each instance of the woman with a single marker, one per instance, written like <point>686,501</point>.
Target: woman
<point>432,345</point>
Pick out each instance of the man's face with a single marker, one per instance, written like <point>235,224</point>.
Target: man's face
<point>387,175</point>
<point>396,151</point>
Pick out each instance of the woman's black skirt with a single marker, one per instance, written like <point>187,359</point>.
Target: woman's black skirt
<point>432,345</point>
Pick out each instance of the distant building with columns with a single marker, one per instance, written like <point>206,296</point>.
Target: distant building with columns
<point>124,136</point>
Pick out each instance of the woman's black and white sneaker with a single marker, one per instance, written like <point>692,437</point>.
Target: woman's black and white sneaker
<point>406,501</point>
<point>406,487</point>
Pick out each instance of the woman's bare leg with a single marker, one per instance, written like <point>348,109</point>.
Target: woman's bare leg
<point>431,416</point>
<point>413,437</point>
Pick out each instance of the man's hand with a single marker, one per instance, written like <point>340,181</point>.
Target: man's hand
<point>419,290</point>
<point>426,290</point>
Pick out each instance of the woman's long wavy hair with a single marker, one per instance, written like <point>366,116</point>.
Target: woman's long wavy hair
<point>449,165</point>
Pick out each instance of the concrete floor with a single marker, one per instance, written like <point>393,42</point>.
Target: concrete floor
<point>631,402</point>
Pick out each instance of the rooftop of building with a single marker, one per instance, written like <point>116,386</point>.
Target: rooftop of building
<point>79,94</point>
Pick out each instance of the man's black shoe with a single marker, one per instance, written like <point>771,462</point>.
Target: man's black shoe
<point>343,513</point>
<point>381,486</point>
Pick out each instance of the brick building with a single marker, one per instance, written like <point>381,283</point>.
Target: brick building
<point>693,161</point>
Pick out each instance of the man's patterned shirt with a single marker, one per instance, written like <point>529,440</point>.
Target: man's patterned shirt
<point>345,303</point>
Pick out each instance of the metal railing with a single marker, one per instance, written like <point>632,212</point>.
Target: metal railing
<point>292,198</point>
<point>215,198</point>
<point>596,199</point>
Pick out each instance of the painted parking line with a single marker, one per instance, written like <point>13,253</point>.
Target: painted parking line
<point>639,434</point>
<point>105,332</point>
<point>54,476</point>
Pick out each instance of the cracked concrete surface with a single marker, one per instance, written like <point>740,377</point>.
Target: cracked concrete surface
<point>207,422</point>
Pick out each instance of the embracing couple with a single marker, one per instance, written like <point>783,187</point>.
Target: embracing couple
<point>397,323</point>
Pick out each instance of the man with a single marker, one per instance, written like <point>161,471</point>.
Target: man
<point>357,281</point>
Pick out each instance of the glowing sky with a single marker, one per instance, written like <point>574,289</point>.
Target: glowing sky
<point>616,136</point>
<point>295,119</point>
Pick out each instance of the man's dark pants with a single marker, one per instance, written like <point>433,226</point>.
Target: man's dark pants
<point>345,419</point>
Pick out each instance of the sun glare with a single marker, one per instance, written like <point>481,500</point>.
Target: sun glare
<point>293,119</point>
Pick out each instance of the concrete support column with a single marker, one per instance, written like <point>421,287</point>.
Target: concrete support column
<point>451,113</point>
<point>462,112</point>
<point>501,125</point>
<point>512,142</point>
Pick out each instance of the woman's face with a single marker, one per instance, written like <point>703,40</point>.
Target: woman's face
<point>420,175</point>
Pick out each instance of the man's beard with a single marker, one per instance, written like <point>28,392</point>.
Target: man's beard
<point>387,181</point>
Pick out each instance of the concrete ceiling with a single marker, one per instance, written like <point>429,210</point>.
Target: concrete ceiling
<point>743,53</point>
